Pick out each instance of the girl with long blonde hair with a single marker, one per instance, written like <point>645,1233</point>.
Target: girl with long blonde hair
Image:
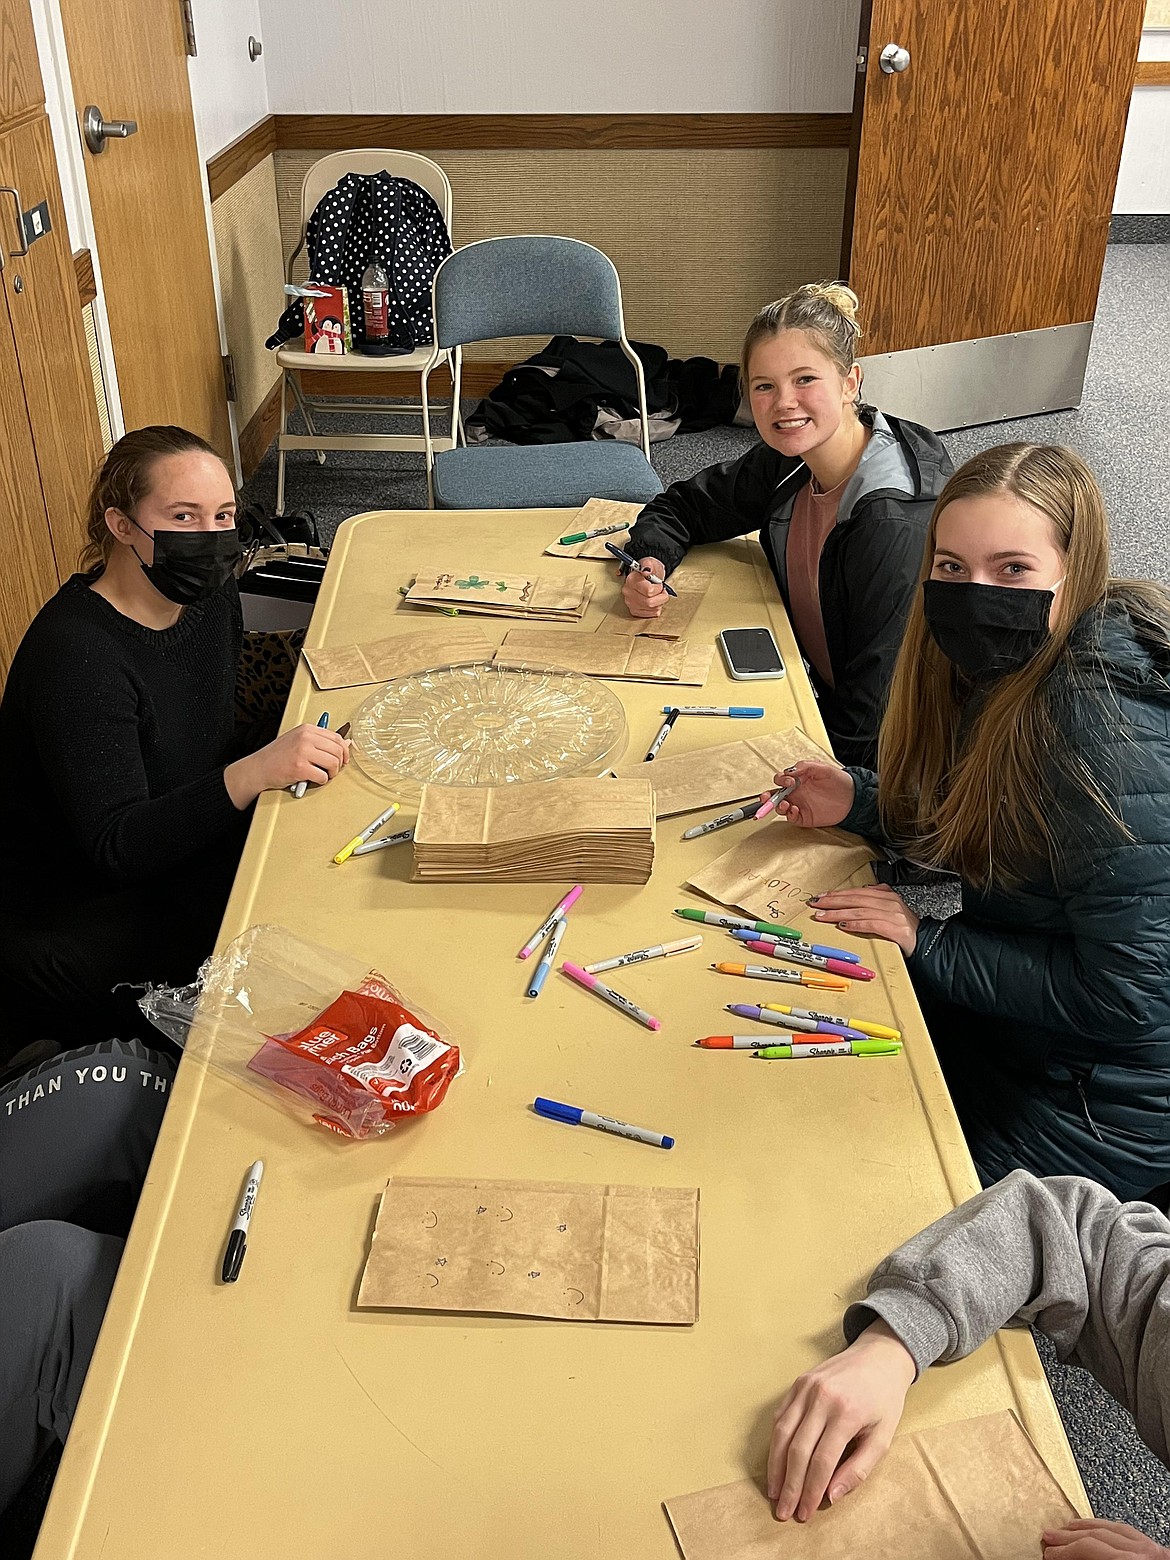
<point>1026,748</point>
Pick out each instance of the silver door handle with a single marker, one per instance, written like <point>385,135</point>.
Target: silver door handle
<point>97,131</point>
<point>894,59</point>
<point>7,189</point>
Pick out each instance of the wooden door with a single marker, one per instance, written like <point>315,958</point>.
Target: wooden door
<point>983,188</point>
<point>146,194</point>
<point>40,290</point>
<point>30,574</point>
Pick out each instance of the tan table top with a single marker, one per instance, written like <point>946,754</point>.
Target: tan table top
<point>271,1418</point>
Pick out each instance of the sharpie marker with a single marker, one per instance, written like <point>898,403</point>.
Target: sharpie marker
<point>874,1031</point>
<point>780,1053</point>
<point>723,820</point>
<point>663,732</point>
<point>640,955</point>
<point>540,973</point>
<point>812,978</point>
<point>798,953</point>
<point>403,837</point>
<point>607,994</point>
<point>554,915</point>
<point>711,918</point>
<point>233,1257</point>
<point>735,711</point>
<point>634,567</point>
<point>574,1116</point>
<point>302,786</point>
<point>370,829</point>
<point>766,1015</point>
<point>783,946</point>
<point>587,536</point>
<point>736,1042</point>
<point>781,795</point>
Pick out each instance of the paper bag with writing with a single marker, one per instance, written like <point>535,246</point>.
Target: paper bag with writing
<point>536,1248</point>
<point>509,595</point>
<point>591,517</point>
<point>676,616</point>
<point>771,873</point>
<point>728,772</point>
<point>975,1490</point>
<point>378,660</point>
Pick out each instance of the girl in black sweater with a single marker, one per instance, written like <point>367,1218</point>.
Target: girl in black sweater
<point>123,794</point>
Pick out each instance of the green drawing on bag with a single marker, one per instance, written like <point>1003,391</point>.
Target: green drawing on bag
<point>473,582</point>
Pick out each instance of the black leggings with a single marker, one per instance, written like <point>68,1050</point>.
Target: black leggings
<point>76,1136</point>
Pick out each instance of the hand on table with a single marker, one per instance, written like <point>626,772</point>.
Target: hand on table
<point>312,753</point>
<point>823,796</point>
<point>852,1403</point>
<point>645,597</point>
<point>875,911</point>
<point>1092,1539</point>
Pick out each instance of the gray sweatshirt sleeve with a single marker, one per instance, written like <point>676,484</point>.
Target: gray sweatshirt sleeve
<point>1061,1254</point>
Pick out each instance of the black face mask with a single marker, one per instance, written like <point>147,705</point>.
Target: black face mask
<point>190,566</point>
<point>986,630</point>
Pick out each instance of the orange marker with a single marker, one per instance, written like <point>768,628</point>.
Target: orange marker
<point>815,978</point>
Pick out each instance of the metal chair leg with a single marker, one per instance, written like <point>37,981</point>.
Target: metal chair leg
<point>280,450</point>
<point>303,407</point>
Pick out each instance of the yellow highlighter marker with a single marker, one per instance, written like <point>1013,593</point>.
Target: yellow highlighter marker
<point>347,851</point>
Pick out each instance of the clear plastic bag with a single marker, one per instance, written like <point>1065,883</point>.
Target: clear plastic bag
<point>313,1030</point>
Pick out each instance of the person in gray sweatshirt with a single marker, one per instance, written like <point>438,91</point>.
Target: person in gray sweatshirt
<point>1060,1254</point>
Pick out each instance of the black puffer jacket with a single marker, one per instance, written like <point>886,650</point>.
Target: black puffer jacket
<point>1063,985</point>
<point>869,565</point>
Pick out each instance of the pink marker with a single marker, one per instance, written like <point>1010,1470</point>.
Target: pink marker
<point>776,796</point>
<point>816,961</point>
<point>583,978</point>
<point>555,915</point>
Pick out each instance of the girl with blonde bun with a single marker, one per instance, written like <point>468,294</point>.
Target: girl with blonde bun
<point>840,494</point>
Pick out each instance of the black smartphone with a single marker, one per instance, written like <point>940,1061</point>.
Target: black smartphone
<point>751,652</point>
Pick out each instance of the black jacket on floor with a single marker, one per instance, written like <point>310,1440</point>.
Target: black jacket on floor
<point>869,566</point>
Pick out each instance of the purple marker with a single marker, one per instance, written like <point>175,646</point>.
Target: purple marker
<point>764,1015</point>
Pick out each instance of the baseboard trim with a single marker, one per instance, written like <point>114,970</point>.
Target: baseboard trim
<point>83,271</point>
<point>1140,227</point>
<point>245,153</point>
<point>259,432</point>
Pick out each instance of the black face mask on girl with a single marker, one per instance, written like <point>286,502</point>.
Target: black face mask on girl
<point>190,566</point>
<point>987,630</point>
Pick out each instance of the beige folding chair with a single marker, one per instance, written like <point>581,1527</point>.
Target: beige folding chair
<point>294,361</point>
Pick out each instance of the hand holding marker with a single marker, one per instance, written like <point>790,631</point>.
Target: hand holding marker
<point>299,789</point>
<point>634,567</point>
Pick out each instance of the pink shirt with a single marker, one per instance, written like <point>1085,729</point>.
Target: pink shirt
<point>814,514</point>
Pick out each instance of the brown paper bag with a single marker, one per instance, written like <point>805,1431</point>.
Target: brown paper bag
<point>590,517</point>
<point>974,1490</point>
<point>512,595</point>
<point>536,1248</point>
<point>729,772</point>
<point>676,616</point>
<point>772,872</point>
<point>378,660</point>
<point>598,655</point>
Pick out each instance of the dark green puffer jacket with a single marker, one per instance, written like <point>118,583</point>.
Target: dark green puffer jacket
<point>1066,980</point>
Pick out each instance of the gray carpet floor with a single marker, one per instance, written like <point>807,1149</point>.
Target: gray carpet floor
<point>1122,429</point>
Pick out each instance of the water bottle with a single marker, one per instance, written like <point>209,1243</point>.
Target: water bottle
<point>376,302</point>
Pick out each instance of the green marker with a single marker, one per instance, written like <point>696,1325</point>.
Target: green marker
<point>780,1053</point>
<point>587,536</point>
<point>709,918</point>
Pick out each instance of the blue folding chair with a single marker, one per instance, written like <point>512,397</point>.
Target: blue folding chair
<point>531,286</point>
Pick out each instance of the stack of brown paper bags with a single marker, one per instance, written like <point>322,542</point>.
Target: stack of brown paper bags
<point>536,1248</point>
<point>575,831</point>
<point>378,660</point>
<point>975,1490</point>
<point>591,517</point>
<point>728,772</point>
<point>637,659</point>
<point>676,616</point>
<point>551,598</point>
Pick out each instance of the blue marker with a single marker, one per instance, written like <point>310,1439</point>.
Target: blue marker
<point>540,973</point>
<point>735,711</point>
<point>746,935</point>
<point>574,1116</point>
<point>634,567</point>
<point>301,786</point>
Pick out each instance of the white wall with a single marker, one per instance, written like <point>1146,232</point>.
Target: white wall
<point>558,56</point>
<point>229,91</point>
<point>1143,182</point>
